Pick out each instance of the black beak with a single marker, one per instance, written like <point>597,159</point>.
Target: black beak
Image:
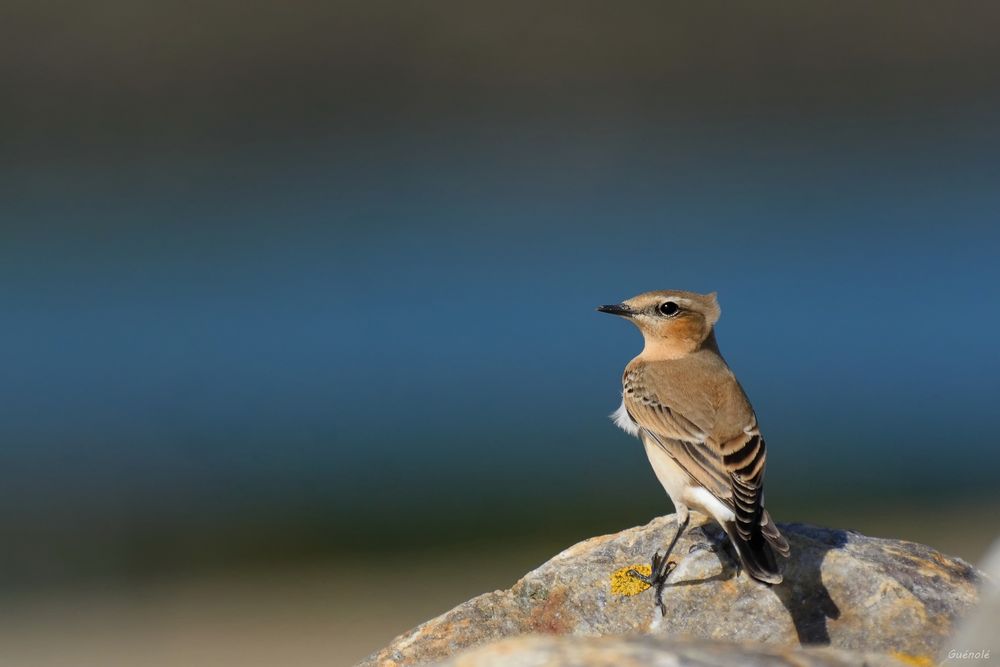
<point>617,309</point>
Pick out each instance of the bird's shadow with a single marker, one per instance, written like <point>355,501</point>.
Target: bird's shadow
<point>802,592</point>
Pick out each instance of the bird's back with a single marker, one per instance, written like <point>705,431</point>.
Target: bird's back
<point>700,386</point>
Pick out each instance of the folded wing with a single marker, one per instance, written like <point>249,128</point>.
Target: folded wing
<point>731,468</point>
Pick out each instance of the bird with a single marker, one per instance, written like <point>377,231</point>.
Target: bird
<point>682,401</point>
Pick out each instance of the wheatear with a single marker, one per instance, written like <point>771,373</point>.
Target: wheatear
<point>700,432</point>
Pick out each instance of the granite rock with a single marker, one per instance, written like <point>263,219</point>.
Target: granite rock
<point>975,639</point>
<point>654,651</point>
<point>841,589</point>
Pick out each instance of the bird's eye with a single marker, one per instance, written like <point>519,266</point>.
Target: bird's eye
<point>668,308</point>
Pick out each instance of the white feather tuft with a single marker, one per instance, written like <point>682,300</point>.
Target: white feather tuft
<point>709,503</point>
<point>623,421</point>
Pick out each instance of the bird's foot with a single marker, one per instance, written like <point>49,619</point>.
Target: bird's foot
<point>710,547</point>
<point>717,548</point>
<point>660,569</point>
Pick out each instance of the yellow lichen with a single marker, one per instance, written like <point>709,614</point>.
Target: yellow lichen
<point>916,660</point>
<point>622,583</point>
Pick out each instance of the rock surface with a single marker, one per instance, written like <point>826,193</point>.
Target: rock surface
<point>975,639</point>
<point>841,589</point>
<point>649,651</point>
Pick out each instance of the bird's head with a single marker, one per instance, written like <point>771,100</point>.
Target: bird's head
<point>674,323</point>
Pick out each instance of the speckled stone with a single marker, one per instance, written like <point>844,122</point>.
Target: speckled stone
<point>650,651</point>
<point>841,589</point>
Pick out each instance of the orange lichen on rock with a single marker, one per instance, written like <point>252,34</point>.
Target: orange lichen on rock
<point>623,583</point>
<point>915,660</point>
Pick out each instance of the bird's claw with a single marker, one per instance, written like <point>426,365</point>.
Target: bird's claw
<point>716,548</point>
<point>660,569</point>
<point>711,547</point>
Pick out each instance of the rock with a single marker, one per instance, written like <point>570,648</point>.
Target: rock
<point>652,651</point>
<point>841,589</point>
<point>976,634</point>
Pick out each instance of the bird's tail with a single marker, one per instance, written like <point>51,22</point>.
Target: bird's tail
<point>758,553</point>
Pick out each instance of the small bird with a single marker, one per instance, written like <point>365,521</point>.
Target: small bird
<point>698,428</point>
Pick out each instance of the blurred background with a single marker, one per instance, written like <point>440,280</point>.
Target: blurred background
<point>299,336</point>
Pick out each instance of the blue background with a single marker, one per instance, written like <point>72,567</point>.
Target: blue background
<point>306,281</point>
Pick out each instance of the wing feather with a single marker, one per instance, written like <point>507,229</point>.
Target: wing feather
<point>731,470</point>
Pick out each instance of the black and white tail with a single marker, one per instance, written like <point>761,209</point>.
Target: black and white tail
<point>757,551</point>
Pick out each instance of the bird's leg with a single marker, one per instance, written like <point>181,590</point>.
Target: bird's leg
<point>734,554</point>
<point>661,567</point>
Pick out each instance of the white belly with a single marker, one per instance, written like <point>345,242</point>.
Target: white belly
<point>677,483</point>
<point>683,494</point>
<point>673,478</point>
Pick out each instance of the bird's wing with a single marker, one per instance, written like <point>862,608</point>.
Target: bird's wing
<point>730,468</point>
